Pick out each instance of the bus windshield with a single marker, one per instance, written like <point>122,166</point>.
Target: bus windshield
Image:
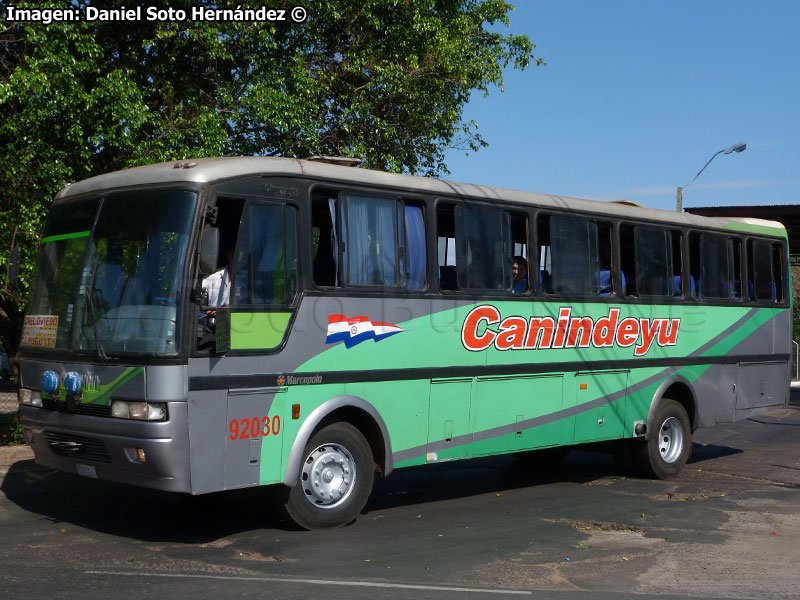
<point>109,274</point>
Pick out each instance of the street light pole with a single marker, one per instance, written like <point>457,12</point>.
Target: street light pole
<point>729,150</point>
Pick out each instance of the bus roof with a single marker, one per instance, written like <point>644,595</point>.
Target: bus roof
<point>212,170</point>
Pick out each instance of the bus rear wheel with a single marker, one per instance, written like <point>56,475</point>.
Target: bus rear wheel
<point>335,479</point>
<point>665,453</point>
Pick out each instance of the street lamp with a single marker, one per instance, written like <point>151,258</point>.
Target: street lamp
<point>729,150</point>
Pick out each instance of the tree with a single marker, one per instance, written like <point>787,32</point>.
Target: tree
<point>382,80</point>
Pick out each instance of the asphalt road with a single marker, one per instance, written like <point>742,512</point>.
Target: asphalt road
<point>727,527</point>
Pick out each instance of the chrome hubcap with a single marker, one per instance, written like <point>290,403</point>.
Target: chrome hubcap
<point>670,440</point>
<point>328,475</point>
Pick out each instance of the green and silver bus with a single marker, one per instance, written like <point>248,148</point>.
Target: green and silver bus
<point>373,322</point>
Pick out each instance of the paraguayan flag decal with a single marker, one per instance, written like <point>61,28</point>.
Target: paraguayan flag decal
<point>354,330</point>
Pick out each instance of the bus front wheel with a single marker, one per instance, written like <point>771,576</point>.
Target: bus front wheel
<point>335,479</point>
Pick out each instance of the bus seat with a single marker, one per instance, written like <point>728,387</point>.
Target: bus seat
<point>447,277</point>
<point>604,286</point>
<point>545,282</point>
<point>736,289</point>
<point>677,288</point>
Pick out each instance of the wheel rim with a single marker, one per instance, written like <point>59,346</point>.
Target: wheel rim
<point>670,440</point>
<point>328,475</point>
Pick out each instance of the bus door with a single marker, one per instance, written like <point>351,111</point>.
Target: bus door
<point>263,290</point>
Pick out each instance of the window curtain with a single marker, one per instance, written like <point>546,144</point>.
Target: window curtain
<point>370,232</point>
<point>415,248</point>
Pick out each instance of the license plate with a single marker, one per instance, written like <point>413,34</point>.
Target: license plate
<point>87,471</point>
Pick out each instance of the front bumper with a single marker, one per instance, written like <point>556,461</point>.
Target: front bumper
<point>107,447</point>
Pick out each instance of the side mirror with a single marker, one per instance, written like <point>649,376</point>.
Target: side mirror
<point>209,250</point>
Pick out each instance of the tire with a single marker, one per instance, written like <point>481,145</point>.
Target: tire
<point>666,451</point>
<point>335,479</point>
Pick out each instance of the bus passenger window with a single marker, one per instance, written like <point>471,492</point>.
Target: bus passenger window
<point>653,262</point>
<point>678,288</point>
<point>475,246</point>
<point>760,279</point>
<point>736,279</point>
<point>323,213</point>
<point>370,253</point>
<point>628,258</point>
<point>694,265</point>
<point>574,245</point>
<point>381,242</point>
<point>715,274</point>
<point>519,254</point>
<point>545,254</point>
<point>483,245</point>
<point>605,264</point>
<point>446,247</point>
<point>265,264</point>
<point>777,271</point>
<point>414,247</point>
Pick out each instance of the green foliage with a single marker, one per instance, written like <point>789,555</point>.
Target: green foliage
<point>11,433</point>
<point>382,80</point>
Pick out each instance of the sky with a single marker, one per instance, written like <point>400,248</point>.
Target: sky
<point>638,95</point>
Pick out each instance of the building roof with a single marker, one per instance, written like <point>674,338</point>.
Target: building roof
<point>787,214</point>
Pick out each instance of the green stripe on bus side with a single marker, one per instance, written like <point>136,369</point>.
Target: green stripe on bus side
<point>65,236</point>
<point>100,395</point>
<point>758,229</point>
<point>744,330</point>
<point>435,341</point>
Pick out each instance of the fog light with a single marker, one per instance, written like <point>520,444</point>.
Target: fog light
<point>140,455</point>
<point>28,433</point>
<point>49,382</point>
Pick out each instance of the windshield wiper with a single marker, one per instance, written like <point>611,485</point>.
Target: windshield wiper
<point>101,353</point>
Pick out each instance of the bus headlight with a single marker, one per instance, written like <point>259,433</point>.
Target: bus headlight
<point>139,411</point>
<point>29,397</point>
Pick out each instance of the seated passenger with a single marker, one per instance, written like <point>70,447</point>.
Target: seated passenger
<point>604,286</point>
<point>519,270</point>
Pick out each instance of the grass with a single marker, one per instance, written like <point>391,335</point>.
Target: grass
<point>11,433</point>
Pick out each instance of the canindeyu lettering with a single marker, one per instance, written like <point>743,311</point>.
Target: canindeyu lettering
<point>544,333</point>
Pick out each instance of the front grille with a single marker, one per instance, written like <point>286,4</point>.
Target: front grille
<point>77,446</point>
<point>92,410</point>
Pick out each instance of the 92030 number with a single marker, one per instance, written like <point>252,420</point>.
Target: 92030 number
<point>241,429</point>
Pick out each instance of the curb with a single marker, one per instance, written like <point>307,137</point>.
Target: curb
<point>11,454</point>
